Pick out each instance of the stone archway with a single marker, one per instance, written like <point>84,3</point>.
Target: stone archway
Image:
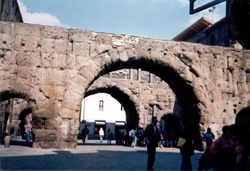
<point>13,110</point>
<point>55,66</point>
<point>129,105</point>
<point>22,117</point>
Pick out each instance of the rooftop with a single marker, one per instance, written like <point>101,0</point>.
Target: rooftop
<point>192,30</point>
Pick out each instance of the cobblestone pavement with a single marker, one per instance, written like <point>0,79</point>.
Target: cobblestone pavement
<point>91,156</point>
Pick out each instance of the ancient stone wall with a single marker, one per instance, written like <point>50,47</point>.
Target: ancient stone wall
<point>51,68</point>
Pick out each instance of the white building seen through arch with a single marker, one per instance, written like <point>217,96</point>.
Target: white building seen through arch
<point>101,110</point>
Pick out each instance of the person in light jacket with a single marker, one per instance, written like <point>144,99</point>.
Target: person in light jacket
<point>101,134</point>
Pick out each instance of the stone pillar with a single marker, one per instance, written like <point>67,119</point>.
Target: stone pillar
<point>11,110</point>
<point>57,133</point>
<point>150,77</point>
<point>154,111</point>
<point>139,74</point>
<point>130,74</point>
<point>56,123</point>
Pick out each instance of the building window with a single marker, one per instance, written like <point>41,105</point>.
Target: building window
<point>101,104</point>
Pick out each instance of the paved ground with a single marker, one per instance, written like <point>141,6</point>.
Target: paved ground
<point>91,156</point>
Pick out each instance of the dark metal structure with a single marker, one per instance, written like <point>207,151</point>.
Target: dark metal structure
<point>193,10</point>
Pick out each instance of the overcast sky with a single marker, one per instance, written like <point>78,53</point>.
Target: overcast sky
<point>157,19</point>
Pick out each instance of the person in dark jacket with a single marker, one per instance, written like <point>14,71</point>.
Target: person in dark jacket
<point>187,149</point>
<point>208,137</point>
<point>85,132</point>
<point>152,137</point>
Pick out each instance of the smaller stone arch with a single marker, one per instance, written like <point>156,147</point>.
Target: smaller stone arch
<point>129,105</point>
<point>14,108</point>
<point>22,117</point>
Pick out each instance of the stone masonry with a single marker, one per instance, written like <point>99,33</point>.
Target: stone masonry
<point>51,68</point>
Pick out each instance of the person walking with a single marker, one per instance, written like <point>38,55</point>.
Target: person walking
<point>120,136</point>
<point>222,151</point>
<point>204,162</point>
<point>139,136</point>
<point>110,136</point>
<point>134,138</point>
<point>187,149</point>
<point>152,137</point>
<point>208,137</point>
<point>101,134</point>
<point>85,132</point>
<point>28,129</point>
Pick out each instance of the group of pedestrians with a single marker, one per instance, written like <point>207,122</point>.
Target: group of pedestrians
<point>131,137</point>
<point>85,133</point>
<point>222,153</point>
<point>167,138</point>
<point>230,151</point>
<point>151,136</point>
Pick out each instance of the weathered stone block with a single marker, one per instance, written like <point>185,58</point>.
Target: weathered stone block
<point>51,124</point>
<point>54,32</point>
<point>45,135</point>
<point>80,35</point>
<point>26,29</point>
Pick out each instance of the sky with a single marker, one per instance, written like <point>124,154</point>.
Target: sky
<point>155,19</point>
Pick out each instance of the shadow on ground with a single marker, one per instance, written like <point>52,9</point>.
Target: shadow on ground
<point>92,156</point>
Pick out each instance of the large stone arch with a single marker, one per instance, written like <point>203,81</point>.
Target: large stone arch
<point>55,66</point>
<point>183,90</point>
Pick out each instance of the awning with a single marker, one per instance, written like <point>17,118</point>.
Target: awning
<point>120,123</point>
<point>100,122</point>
